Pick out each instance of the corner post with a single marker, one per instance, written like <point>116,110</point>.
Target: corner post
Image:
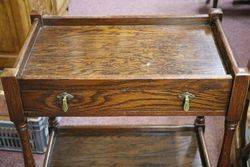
<point>35,15</point>
<point>215,13</point>
<point>199,123</point>
<point>233,115</point>
<point>16,112</point>
<point>239,88</point>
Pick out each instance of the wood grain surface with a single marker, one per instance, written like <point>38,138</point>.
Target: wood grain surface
<point>131,98</point>
<point>132,51</point>
<point>125,148</point>
<point>14,27</point>
<point>114,69</point>
<point>202,19</point>
<point>15,107</point>
<point>7,60</point>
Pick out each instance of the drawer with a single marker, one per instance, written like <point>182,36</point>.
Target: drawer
<point>209,100</point>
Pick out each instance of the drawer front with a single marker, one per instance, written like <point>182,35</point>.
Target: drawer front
<point>105,102</point>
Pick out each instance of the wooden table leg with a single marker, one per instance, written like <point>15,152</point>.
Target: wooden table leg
<point>200,122</point>
<point>15,107</point>
<point>53,124</point>
<point>24,135</point>
<point>233,115</point>
<point>230,128</point>
<point>242,150</point>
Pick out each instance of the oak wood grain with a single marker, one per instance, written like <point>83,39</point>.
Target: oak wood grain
<point>7,60</point>
<point>126,20</point>
<point>137,51</point>
<point>129,66</point>
<point>149,83</point>
<point>121,102</point>
<point>24,53</point>
<point>134,97</point>
<point>14,25</point>
<point>125,148</point>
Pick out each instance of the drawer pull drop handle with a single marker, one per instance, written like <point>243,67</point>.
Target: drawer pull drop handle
<point>185,97</point>
<point>63,100</point>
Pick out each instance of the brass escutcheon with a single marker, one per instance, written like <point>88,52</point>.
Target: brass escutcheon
<point>185,97</point>
<point>63,99</point>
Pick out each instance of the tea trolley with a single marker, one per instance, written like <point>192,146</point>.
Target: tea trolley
<point>127,66</point>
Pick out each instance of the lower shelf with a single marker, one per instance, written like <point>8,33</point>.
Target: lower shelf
<point>124,146</point>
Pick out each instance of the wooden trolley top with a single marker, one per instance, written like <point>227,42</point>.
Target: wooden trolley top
<point>141,47</point>
<point>124,51</point>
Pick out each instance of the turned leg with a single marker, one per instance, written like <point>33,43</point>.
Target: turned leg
<point>233,115</point>
<point>244,150</point>
<point>243,125</point>
<point>200,123</point>
<point>53,124</point>
<point>15,107</point>
<point>22,129</point>
<point>230,127</point>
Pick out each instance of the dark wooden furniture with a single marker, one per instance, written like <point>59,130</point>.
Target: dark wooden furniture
<point>15,24</point>
<point>117,66</point>
<point>242,148</point>
<point>125,146</point>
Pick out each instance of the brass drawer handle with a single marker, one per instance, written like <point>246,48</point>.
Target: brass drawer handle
<point>63,99</point>
<point>185,97</point>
